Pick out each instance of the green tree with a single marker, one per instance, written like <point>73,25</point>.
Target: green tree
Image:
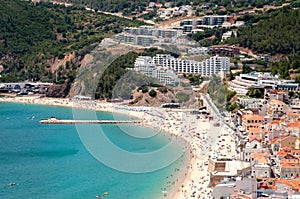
<point>256,93</point>
<point>152,93</point>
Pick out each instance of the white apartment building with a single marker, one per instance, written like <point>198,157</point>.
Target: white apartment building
<point>164,66</point>
<point>143,40</point>
<point>146,66</point>
<point>208,21</point>
<point>214,65</point>
<point>250,102</point>
<point>151,31</point>
<point>243,82</point>
<point>199,51</point>
<point>146,35</point>
<point>260,171</point>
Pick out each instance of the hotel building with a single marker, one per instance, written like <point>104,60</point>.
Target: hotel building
<point>146,66</point>
<point>213,66</point>
<point>146,35</point>
<point>243,82</point>
<point>207,21</point>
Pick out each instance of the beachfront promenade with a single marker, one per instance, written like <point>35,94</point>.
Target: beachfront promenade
<point>58,121</point>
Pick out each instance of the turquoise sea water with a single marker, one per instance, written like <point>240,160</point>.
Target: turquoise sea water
<point>50,161</point>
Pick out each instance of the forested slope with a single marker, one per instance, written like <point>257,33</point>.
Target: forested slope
<point>33,34</point>
<point>139,5</point>
<point>279,34</point>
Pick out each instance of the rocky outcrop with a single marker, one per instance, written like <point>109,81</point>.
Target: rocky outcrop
<point>144,99</point>
<point>58,90</point>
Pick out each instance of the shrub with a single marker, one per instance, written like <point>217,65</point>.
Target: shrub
<point>163,89</point>
<point>152,93</point>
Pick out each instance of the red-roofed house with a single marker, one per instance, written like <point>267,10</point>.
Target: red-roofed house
<point>252,121</point>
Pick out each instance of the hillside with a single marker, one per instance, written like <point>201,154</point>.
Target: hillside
<point>46,42</point>
<point>278,34</point>
<point>117,81</point>
<point>138,6</point>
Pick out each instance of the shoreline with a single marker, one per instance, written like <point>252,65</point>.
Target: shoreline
<point>191,134</point>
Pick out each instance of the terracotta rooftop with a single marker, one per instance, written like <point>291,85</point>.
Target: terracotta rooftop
<point>283,181</point>
<point>253,117</point>
<point>255,130</point>
<point>254,137</point>
<point>261,157</point>
<point>291,113</point>
<point>275,122</point>
<point>281,153</point>
<point>294,124</point>
<point>276,102</point>
<point>294,184</point>
<point>275,140</point>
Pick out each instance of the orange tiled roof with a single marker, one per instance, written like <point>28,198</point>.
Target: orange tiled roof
<point>260,157</point>
<point>276,101</point>
<point>281,153</point>
<point>289,113</point>
<point>294,124</point>
<point>253,117</point>
<point>293,151</point>
<point>275,140</point>
<point>255,130</point>
<point>275,122</point>
<point>295,184</point>
<point>283,181</point>
<point>254,137</point>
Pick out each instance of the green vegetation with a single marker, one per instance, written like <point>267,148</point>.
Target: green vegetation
<point>217,92</point>
<point>137,6</point>
<point>229,95</point>
<point>163,89</point>
<point>144,89</point>
<point>297,79</point>
<point>152,93</point>
<point>256,93</point>
<point>32,36</point>
<point>127,83</point>
<point>194,79</point>
<point>182,97</point>
<point>233,106</point>
<point>275,33</point>
<point>246,69</point>
<point>209,37</point>
<point>279,34</point>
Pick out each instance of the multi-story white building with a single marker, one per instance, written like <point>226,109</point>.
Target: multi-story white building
<point>146,66</point>
<point>250,102</point>
<point>136,39</point>
<point>207,21</point>
<point>164,66</point>
<point>260,171</point>
<point>146,35</point>
<point>214,65</point>
<point>242,83</point>
<point>199,51</point>
<point>151,31</point>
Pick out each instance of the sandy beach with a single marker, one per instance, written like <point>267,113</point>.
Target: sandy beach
<point>199,136</point>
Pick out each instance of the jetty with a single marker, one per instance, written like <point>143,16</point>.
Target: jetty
<point>54,120</point>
